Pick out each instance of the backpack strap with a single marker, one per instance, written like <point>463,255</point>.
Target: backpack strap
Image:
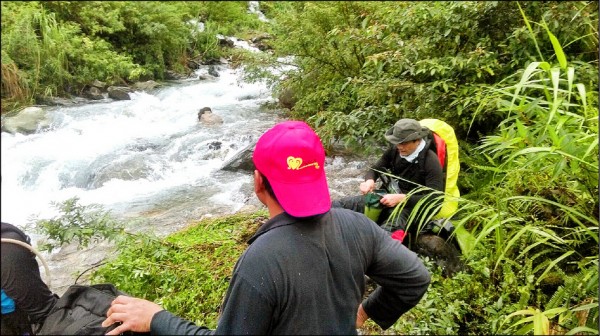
<point>440,146</point>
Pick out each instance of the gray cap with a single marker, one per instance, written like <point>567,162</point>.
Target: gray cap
<point>405,130</point>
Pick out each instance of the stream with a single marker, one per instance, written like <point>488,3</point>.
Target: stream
<point>148,159</point>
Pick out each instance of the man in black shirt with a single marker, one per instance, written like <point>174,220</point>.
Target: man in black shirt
<point>26,299</point>
<point>417,168</point>
<point>304,270</point>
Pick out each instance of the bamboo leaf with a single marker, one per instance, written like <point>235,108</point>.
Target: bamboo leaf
<point>582,94</point>
<point>586,307</point>
<point>570,78</point>
<point>531,68</point>
<point>560,55</point>
<point>579,330</point>
<point>541,324</point>
<point>530,32</point>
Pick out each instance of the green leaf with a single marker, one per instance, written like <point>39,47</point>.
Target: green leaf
<point>560,55</point>
<point>579,330</point>
<point>365,22</point>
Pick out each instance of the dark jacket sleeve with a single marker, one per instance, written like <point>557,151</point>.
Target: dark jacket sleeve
<point>165,323</point>
<point>434,179</point>
<point>21,280</point>
<point>402,280</point>
<point>384,162</point>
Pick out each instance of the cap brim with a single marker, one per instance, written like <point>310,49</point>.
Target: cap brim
<point>303,199</point>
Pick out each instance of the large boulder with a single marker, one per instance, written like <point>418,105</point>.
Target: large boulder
<point>27,121</point>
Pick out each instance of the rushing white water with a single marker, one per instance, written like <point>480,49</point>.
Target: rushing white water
<point>254,7</point>
<point>148,159</point>
<point>135,154</point>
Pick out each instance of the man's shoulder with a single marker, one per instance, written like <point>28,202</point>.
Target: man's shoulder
<point>349,220</point>
<point>10,231</point>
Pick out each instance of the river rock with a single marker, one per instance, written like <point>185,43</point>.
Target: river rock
<point>100,85</point>
<point>118,93</point>
<point>172,75</point>
<point>286,99</point>
<point>129,169</point>
<point>442,252</point>
<point>241,161</point>
<point>213,71</point>
<point>94,93</point>
<point>59,101</point>
<point>27,121</point>
<point>145,86</point>
<point>225,41</point>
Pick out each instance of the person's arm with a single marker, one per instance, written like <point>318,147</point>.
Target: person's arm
<point>384,162</point>
<point>165,323</point>
<point>139,315</point>
<point>402,280</point>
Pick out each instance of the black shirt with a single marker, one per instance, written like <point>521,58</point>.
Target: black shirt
<point>425,170</point>
<point>306,276</point>
<point>21,278</point>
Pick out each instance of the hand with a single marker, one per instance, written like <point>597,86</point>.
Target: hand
<point>361,316</point>
<point>134,314</point>
<point>391,200</point>
<point>367,186</point>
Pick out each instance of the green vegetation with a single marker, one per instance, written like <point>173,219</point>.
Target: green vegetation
<point>517,81</point>
<point>54,48</point>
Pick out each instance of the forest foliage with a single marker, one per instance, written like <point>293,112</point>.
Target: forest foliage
<point>56,48</point>
<point>518,81</point>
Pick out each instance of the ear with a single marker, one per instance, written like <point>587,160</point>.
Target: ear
<point>258,182</point>
<point>259,188</point>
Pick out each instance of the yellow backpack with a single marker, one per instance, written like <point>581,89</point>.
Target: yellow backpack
<point>446,147</point>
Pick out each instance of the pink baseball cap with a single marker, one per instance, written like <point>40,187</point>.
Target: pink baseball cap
<point>291,156</point>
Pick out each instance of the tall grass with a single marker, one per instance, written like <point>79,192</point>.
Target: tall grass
<point>542,191</point>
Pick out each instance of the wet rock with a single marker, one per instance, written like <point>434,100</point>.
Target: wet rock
<point>286,99</point>
<point>215,145</point>
<point>172,75</point>
<point>27,121</point>
<point>213,71</point>
<point>145,86</point>
<point>241,161</point>
<point>442,252</point>
<point>93,93</point>
<point>128,169</point>
<point>119,93</point>
<point>98,84</point>
<point>225,41</point>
